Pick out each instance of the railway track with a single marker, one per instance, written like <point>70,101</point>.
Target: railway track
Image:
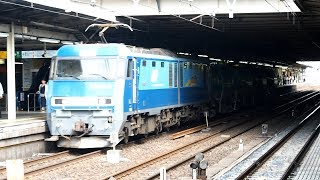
<point>284,107</point>
<point>302,99</point>
<point>34,164</point>
<point>38,167</point>
<point>149,168</point>
<point>195,129</point>
<point>301,153</point>
<point>276,160</point>
<point>42,165</point>
<point>59,164</point>
<point>187,132</point>
<point>281,99</point>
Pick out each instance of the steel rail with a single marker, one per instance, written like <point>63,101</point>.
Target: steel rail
<point>303,100</point>
<point>35,161</point>
<point>166,154</point>
<point>208,149</point>
<point>290,102</point>
<point>282,100</point>
<point>187,131</point>
<point>200,127</point>
<point>272,150</point>
<point>163,156</point>
<point>193,130</point>
<point>212,147</point>
<point>289,93</point>
<point>53,166</point>
<point>59,164</point>
<point>301,153</point>
<point>46,158</point>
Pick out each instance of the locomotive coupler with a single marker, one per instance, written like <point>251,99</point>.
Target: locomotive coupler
<point>80,126</point>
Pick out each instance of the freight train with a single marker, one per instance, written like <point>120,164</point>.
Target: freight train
<point>101,94</point>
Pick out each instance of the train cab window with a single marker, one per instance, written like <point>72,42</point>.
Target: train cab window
<point>162,64</point>
<point>153,64</point>
<point>144,63</point>
<point>129,69</point>
<point>69,68</point>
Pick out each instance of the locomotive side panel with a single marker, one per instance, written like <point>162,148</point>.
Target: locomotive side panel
<point>156,88</point>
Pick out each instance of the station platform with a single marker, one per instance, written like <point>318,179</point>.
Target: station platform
<point>22,117</point>
<point>309,167</point>
<point>283,89</point>
<point>23,136</point>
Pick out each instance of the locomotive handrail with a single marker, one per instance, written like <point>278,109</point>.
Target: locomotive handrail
<point>34,101</point>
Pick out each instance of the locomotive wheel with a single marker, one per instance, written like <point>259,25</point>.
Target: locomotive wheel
<point>126,135</point>
<point>156,130</point>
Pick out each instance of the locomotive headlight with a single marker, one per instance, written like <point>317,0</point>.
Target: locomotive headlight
<point>102,101</point>
<point>58,101</point>
<point>81,101</point>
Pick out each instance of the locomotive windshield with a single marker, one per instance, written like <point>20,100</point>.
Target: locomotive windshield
<point>107,69</point>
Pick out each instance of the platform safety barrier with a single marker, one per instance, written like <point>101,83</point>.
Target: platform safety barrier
<point>34,101</point>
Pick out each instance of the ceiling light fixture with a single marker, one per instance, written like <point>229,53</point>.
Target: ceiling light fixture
<point>243,62</point>
<point>47,40</point>
<point>230,6</point>
<point>4,34</point>
<point>25,37</point>
<point>213,59</point>
<point>67,42</point>
<point>182,53</point>
<point>205,56</point>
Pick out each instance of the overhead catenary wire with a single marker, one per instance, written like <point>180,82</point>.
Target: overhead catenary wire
<point>272,5</point>
<point>202,12</point>
<point>112,11</point>
<point>180,17</point>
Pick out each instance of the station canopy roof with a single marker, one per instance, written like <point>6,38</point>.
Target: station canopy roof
<point>266,30</point>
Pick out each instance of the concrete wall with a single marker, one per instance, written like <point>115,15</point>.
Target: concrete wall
<point>23,140</point>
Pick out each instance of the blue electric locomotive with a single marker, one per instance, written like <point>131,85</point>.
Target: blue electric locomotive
<point>100,94</point>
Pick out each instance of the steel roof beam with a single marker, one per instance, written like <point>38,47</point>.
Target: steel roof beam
<point>300,5</point>
<point>158,5</point>
<point>38,32</point>
<point>195,7</point>
<point>82,7</point>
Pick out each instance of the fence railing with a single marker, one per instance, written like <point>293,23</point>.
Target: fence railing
<point>4,103</point>
<point>34,99</point>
